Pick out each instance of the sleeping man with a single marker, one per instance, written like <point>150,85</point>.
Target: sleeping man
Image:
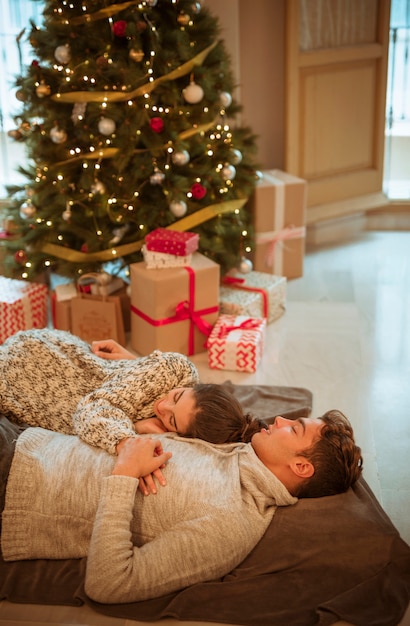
<point>67,499</point>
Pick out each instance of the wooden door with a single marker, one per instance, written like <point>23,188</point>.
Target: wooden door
<point>336,77</point>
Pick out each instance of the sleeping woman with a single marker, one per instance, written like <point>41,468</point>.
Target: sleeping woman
<point>53,379</point>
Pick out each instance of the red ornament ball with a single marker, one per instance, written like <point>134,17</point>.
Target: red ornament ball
<point>198,191</point>
<point>20,257</point>
<point>157,124</point>
<point>119,28</point>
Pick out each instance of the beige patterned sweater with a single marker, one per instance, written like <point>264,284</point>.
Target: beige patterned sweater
<point>50,378</point>
<point>62,502</point>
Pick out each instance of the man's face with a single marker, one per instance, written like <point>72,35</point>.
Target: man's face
<point>279,444</point>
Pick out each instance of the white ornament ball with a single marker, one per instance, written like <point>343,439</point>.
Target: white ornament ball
<point>236,156</point>
<point>157,178</point>
<point>193,93</point>
<point>181,157</point>
<point>66,215</point>
<point>178,208</point>
<point>228,172</point>
<point>258,175</point>
<point>58,135</point>
<point>106,126</point>
<point>62,54</point>
<point>225,99</point>
<point>151,3</point>
<point>245,266</point>
<point>27,210</point>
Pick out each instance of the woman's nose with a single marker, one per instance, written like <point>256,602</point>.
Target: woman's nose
<point>280,421</point>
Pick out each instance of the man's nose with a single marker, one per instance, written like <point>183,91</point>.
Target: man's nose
<point>280,421</point>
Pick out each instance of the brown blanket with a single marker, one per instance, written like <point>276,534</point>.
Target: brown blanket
<point>320,561</point>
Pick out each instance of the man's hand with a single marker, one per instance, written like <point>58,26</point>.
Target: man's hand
<point>140,457</point>
<point>111,350</point>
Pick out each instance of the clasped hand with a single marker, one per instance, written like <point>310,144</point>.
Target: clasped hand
<point>142,458</point>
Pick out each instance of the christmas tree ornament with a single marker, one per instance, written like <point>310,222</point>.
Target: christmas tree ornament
<point>21,95</point>
<point>156,124</point>
<point>27,210</point>
<point>157,178</point>
<point>245,266</point>
<point>225,99</point>
<point>43,90</point>
<point>58,135</point>
<point>180,157</point>
<point>15,134</point>
<point>183,19</point>
<point>193,93</point>
<point>178,208</point>
<point>106,126</point>
<point>236,156</point>
<point>66,214</point>
<point>62,54</point>
<point>258,175</point>
<point>151,3</point>
<point>136,54</point>
<point>196,7</point>
<point>97,187</point>
<point>228,171</point>
<point>198,191</point>
<point>20,257</point>
<point>78,113</point>
<point>119,28</point>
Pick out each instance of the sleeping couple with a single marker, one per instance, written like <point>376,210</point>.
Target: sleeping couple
<point>214,476</point>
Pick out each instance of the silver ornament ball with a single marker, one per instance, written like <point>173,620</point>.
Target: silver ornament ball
<point>228,172</point>
<point>193,93</point>
<point>62,54</point>
<point>225,99</point>
<point>178,208</point>
<point>58,135</point>
<point>245,266</point>
<point>27,210</point>
<point>181,157</point>
<point>106,126</point>
<point>157,178</point>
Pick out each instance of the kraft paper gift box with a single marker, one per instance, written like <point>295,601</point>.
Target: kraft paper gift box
<point>236,343</point>
<point>23,305</point>
<point>174,309</point>
<point>259,294</point>
<point>279,217</point>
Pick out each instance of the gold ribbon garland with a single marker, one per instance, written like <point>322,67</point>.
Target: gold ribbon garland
<point>186,223</point>
<point>103,96</point>
<point>104,13</point>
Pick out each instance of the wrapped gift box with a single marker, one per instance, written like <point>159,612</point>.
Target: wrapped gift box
<point>279,214</point>
<point>23,305</point>
<point>172,241</point>
<point>157,260</point>
<point>174,309</point>
<point>236,343</point>
<point>259,294</point>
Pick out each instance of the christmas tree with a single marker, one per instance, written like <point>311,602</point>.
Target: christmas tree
<point>129,123</point>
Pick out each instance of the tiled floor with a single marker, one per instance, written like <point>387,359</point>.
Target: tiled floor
<point>346,337</point>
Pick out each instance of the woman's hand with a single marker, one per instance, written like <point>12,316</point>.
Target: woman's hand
<point>110,349</point>
<point>150,426</point>
<point>140,457</point>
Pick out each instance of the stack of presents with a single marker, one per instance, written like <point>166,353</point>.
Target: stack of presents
<point>177,300</point>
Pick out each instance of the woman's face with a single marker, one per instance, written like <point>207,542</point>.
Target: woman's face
<point>176,409</point>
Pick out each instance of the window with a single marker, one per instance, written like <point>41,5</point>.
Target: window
<point>15,54</point>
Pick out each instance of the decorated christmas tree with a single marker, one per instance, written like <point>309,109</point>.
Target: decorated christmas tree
<point>129,123</point>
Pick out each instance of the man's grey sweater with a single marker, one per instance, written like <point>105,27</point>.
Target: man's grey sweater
<point>62,502</point>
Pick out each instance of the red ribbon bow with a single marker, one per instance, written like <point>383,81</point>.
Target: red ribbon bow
<point>248,324</point>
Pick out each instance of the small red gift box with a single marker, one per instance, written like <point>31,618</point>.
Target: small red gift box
<point>171,241</point>
<point>236,343</point>
<point>23,305</point>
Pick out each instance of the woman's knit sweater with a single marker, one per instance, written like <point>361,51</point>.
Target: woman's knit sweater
<point>50,378</point>
<point>62,502</point>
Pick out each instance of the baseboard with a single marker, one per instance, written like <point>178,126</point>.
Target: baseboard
<point>393,216</point>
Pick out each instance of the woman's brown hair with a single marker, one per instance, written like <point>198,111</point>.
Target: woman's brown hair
<point>219,417</point>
